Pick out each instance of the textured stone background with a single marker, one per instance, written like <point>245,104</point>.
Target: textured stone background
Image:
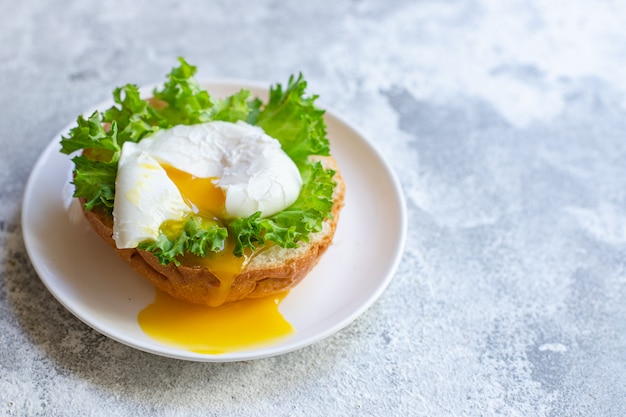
<point>506,124</point>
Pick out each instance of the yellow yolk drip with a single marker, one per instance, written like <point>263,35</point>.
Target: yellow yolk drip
<point>201,193</point>
<point>209,200</point>
<point>221,328</point>
<point>224,265</point>
<point>230,327</point>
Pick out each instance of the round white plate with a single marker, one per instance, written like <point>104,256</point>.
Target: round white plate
<point>89,279</point>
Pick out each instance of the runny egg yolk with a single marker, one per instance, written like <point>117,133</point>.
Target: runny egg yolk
<point>221,328</point>
<point>200,193</point>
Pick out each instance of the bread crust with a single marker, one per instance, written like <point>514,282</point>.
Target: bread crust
<point>271,271</point>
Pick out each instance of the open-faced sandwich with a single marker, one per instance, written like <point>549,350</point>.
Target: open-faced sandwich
<point>212,200</point>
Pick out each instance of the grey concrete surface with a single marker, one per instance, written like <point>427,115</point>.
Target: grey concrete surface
<point>506,125</point>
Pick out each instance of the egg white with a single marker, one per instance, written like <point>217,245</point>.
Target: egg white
<point>250,166</point>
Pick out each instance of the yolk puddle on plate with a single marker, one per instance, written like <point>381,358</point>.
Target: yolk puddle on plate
<point>215,330</point>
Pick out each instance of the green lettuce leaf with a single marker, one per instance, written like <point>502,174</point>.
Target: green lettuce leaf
<point>91,136</point>
<point>187,103</point>
<point>295,121</point>
<point>134,117</point>
<point>233,108</point>
<point>197,236</point>
<point>96,179</point>
<point>289,116</point>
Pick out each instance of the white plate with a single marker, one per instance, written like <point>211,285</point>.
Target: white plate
<point>86,276</point>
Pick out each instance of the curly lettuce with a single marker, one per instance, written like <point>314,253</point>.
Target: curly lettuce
<point>289,116</point>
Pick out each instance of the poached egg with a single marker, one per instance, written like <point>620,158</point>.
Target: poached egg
<point>217,169</point>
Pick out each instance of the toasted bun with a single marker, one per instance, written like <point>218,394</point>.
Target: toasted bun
<point>270,271</point>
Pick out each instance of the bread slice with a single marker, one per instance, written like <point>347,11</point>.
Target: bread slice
<point>272,270</point>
